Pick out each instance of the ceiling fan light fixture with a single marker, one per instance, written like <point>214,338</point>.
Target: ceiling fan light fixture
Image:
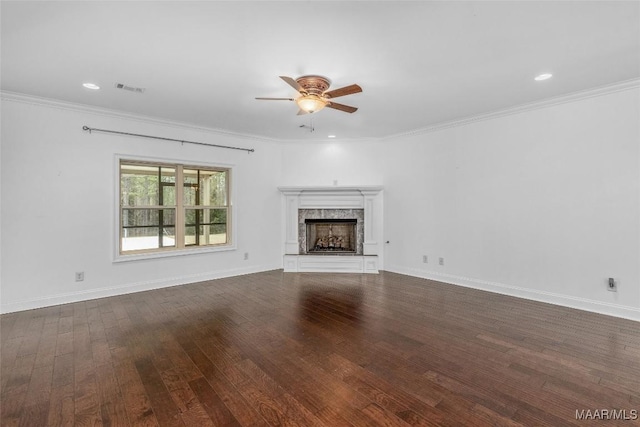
<point>311,103</point>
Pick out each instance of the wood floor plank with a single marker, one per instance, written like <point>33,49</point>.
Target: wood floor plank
<point>265,388</point>
<point>191,409</point>
<point>163,406</point>
<point>10,349</point>
<point>64,343</point>
<point>314,349</point>
<point>61,406</point>
<point>85,396</point>
<point>40,385</point>
<point>229,394</point>
<point>14,395</point>
<point>47,345</point>
<point>32,337</point>
<point>12,405</point>
<point>137,403</point>
<point>112,405</point>
<point>35,414</point>
<point>215,408</point>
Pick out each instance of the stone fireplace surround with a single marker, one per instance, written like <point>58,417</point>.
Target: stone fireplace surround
<point>361,202</point>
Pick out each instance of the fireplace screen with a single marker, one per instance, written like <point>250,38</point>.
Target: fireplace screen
<point>331,235</point>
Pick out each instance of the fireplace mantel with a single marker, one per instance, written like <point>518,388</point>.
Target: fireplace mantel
<point>368,198</point>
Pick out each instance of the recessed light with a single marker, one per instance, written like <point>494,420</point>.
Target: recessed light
<point>91,86</point>
<point>331,136</point>
<point>544,76</point>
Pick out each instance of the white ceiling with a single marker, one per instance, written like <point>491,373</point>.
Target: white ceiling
<point>420,63</point>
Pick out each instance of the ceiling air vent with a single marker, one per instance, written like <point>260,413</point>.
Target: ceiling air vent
<point>130,88</point>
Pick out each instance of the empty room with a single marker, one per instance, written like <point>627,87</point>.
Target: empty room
<point>320,213</point>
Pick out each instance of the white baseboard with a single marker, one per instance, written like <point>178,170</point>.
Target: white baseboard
<point>615,310</point>
<point>128,288</point>
<point>609,309</point>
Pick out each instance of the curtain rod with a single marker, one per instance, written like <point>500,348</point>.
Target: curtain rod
<point>87,128</point>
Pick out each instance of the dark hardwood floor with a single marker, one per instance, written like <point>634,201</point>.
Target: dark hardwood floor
<point>317,350</point>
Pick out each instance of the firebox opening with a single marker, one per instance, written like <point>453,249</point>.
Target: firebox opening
<point>331,236</point>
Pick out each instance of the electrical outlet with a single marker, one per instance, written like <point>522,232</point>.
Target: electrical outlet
<point>612,286</point>
<point>79,276</point>
<point>246,255</point>
<point>425,259</point>
<point>441,261</point>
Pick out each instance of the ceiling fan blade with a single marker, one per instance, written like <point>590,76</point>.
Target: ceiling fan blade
<point>347,90</point>
<point>294,84</point>
<point>302,112</point>
<point>275,99</point>
<point>342,107</point>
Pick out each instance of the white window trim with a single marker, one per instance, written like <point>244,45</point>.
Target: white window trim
<point>118,257</point>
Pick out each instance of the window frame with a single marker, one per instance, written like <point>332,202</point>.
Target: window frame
<point>118,256</point>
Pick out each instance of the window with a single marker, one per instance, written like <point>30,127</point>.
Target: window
<point>172,207</point>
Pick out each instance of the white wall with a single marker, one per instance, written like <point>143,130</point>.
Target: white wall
<point>58,186</point>
<point>543,204</point>
<point>341,164</point>
<point>352,163</point>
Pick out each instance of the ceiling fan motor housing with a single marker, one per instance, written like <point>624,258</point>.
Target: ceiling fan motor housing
<point>314,85</point>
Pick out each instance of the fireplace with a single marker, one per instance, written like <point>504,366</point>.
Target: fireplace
<point>342,223</point>
<point>330,231</point>
<point>331,236</point>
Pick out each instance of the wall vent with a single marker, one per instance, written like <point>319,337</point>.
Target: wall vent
<point>130,88</point>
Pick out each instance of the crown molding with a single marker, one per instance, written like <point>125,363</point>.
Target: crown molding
<point>105,112</point>
<point>549,102</point>
<point>545,103</point>
<point>320,141</point>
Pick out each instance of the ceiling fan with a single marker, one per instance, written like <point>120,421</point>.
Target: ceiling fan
<point>314,94</point>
